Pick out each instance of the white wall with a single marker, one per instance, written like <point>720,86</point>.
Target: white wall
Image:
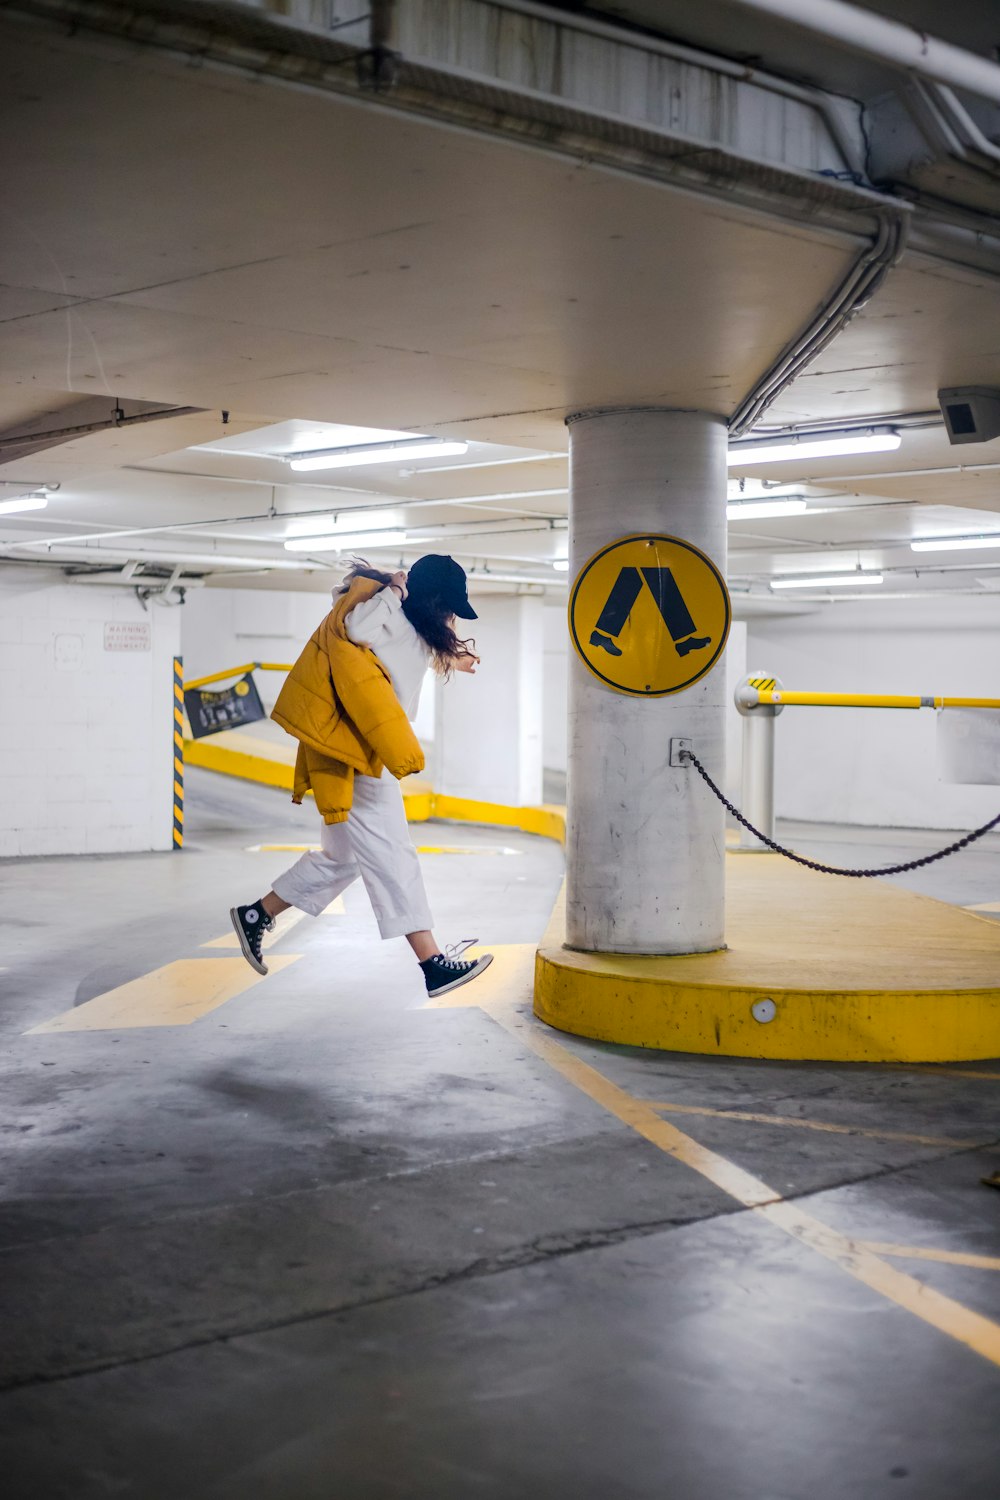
<point>878,767</point>
<point>86,733</point>
<point>555,677</point>
<point>226,627</point>
<point>489,726</point>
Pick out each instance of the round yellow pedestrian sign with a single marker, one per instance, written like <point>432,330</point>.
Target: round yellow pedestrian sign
<point>649,615</point>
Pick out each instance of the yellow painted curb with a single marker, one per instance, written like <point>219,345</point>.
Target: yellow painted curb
<point>853,975</point>
<point>259,768</point>
<point>548,822</point>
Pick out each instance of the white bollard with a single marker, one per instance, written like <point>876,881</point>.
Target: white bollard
<point>757,781</point>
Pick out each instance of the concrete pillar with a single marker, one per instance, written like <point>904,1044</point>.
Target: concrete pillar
<point>646,841</point>
<point>488,736</point>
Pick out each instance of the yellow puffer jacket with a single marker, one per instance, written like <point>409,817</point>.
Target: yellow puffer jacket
<point>338,702</point>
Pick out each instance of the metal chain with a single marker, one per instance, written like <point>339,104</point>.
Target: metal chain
<point>812,864</point>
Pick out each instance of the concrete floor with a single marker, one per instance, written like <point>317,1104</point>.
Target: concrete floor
<point>323,1242</point>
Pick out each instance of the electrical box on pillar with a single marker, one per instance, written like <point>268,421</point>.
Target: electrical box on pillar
<point>649,615</point>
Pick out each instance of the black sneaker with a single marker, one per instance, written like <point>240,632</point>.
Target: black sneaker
<point>251,923</point>
<point>446,971</point>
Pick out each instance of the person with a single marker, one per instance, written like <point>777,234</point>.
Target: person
<point>351,709</point>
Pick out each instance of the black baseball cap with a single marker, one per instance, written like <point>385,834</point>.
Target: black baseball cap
<point>438,577</point>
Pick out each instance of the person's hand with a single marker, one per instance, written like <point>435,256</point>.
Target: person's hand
<point>398,582</point>
<point>465,664</point>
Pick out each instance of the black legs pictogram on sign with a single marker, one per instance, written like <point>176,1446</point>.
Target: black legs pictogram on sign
<point>669,601</point>
<point>617,610</point>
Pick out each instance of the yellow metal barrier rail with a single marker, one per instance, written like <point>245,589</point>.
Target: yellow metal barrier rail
<point>248,666</point>
<point>780,696</point>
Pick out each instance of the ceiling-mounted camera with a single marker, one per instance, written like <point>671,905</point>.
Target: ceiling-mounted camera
<point>971,413</point>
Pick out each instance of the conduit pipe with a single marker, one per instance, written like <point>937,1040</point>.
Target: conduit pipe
<point>79,539</point>
<point>64,434</point>
<point>853,293</point>
<point>893,43</point>
<point>78,551</point>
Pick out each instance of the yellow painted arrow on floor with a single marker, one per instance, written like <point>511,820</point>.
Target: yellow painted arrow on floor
<point>182,991</point>
<point>175,995</point>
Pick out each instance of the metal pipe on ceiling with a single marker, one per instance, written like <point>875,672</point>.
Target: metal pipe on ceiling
<point>64,434</point>
<point>905,474</point>
<point>854,293</point>
<point>80,551</point>
<point>203,528</point>
<point>893,43</point>
<point>380,501</point>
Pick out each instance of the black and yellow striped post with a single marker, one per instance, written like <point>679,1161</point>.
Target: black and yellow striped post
<point>178,752</point>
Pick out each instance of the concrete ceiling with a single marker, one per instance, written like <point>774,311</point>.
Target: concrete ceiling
<point>188,237</point>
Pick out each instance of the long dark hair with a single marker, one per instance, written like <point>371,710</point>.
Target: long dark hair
<point>430,618</point>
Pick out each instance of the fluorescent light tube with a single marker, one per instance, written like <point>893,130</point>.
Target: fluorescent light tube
<point>498,495</point>
<point>561,564</point>
<point>373,453</point>
<point>486,463</point>
<point>759,510</point>
<point>325,524</point>
<point>826,581</point>
<point>345,541</point>
<point>788,449</point>
<point>953,543</point>
<point>23,502</point>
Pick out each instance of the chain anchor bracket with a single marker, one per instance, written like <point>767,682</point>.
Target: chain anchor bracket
<point>681,752</point>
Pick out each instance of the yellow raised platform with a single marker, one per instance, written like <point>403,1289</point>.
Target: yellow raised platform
<point>856,971</point>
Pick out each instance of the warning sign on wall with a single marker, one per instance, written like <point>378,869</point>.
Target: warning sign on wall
<point>649,615</point>
<point>127,635</point>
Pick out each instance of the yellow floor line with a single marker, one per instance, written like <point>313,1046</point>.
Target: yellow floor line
<point>945,1257</point>
<point>948,1316</point>
<point>796,1122</point>
<point>175,995</point>
<point>283,848</point>
<point>283,924</point>
<point>460,849</point>
<point>942,1072</point>
<point>421,849</point>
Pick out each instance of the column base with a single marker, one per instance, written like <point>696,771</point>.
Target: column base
<point>818,968</point>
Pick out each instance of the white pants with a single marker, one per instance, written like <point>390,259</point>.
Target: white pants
<point>375,844</point>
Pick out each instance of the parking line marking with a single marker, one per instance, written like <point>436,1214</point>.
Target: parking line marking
<point>283,848</point>
<point>978,1333</point>
<point>943,1072</point>
<point>420,848</point>
<point>946,1257</point>
<point>174,995</point>
<point>796,1122</point>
